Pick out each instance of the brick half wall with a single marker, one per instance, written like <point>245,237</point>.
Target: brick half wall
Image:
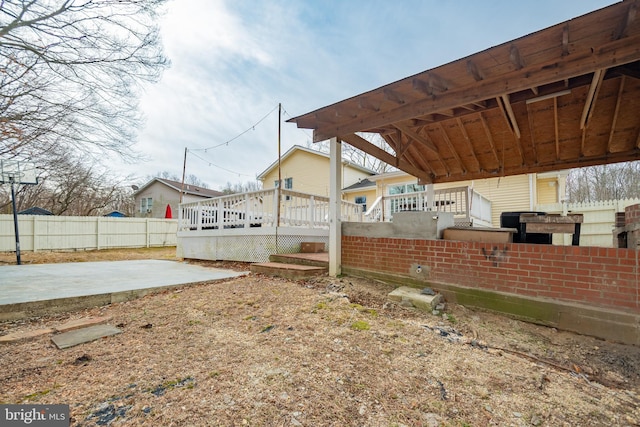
<point>589,290</point>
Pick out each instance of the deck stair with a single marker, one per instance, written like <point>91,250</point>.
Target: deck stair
<point>296,266</point>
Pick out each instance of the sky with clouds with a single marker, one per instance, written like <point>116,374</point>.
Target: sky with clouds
<point>234,61</point>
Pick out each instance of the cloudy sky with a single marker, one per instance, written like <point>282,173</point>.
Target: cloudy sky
<point>234,61</point>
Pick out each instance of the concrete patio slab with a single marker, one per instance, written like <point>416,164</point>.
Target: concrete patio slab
<point>40,289</point>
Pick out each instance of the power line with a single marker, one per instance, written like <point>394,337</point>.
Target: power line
<point>253,127</point>
<point>214,165</point>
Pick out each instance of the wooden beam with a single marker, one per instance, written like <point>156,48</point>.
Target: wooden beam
<point>556,127</point>
<point>402,147</point>
<point>589,104</point>
<point>416,136</point>
<point>473,69</point>
<point>565,40</point>
<point>505,106</point>
<point>532,127</point>
<point>613,53</point>
<point>515,58</point>
<point>615,114</point>
<point>365,104</point>
<point>516,135</point>
<point>393,96</point>
<point>417,160</point>
<point>364,145</point>
<point>489,136</point>
<point>463,130</point>
<point>422,86</point>
<point>452,148</point>
<point>626,22</point>
<point>430,87</point>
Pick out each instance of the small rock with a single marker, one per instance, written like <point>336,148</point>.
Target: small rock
<point>427,291</point>
<point>536,420</point>
<point>435,313</point>
<point>517,414</point>
<point>432,420</point>
<point>488,408</point>
<point>440,306</point>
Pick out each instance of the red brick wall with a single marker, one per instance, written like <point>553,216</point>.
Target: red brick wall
<point>632,215</point>
<point>604,277</point>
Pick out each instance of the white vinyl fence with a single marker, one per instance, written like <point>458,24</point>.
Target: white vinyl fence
<point>45,233</point>
<point>599,220</point>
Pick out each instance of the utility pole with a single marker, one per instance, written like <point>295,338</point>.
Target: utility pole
<point>15,219</point>
<point>184,169</point>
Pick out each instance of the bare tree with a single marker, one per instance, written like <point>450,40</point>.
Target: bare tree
<point>71,74</point>
<point>356,156</point>
<point>246,187</point>
<point>69,185</point>
<point>604,182</point>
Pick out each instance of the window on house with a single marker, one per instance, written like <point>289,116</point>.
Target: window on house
<point>405,188</point>
<point>146,204</point>
<point>362,200</point>
<point>276,183</point>
<point>288,183</point>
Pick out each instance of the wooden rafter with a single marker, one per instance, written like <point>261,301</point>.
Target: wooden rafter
<point>507,112</point>
<point>465,134</point>
<point>452,148</point>
<point>515,58</point>
<point>565,40</point>
<point>393,96</point>
<point>487,132</point>
<point>419,158</point>
<point>615,114</point>
<point>425,141</point>
<point>626,21</point>
<point>366,104</point>
<point>401,147</point>
<point>364,145</point>
<point>556,127</point>
<point>473,69</point>
<point>532,132</point>
<point>592,95</point>
<point>417,137</point>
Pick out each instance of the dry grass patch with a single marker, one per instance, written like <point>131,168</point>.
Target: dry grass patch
<point>261,351</point>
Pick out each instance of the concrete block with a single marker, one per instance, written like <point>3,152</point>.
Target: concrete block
<point>81,323</point>
<point>19,336</point>
<point>406,295</point>
<point>81,336</point>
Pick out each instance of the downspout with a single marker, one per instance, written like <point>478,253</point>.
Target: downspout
<point>531,192</point>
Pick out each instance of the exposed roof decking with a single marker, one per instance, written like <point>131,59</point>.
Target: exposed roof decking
<point>562,97</point>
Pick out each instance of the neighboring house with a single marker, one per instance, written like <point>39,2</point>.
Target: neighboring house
<point>152,198</point>
<point>116,214</point>
<point>35,211</point>
<point>507,194</point>
<point>307,171</point>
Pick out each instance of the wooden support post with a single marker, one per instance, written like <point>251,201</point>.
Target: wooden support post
<point>335,196</point>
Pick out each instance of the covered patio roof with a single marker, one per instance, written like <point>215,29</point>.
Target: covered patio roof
<point>563,97</point>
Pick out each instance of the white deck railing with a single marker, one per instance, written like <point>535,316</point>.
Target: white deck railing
<point>468,206</point>
<point>260,209</point>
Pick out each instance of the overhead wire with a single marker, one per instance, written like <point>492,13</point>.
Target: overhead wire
<point>252,127</point>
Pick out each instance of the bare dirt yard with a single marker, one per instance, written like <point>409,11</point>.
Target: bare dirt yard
<point>260,351</point>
